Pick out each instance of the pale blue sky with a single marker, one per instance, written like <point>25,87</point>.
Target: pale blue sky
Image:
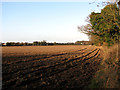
<point>51,21</point>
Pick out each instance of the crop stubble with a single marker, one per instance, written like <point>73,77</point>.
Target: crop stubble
<point>68,66</point>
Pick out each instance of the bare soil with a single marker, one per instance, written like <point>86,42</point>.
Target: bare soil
<point>49,66</point>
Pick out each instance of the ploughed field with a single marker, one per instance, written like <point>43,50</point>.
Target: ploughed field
<point>49,66</point>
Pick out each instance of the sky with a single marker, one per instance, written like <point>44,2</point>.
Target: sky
<point>50,21</point>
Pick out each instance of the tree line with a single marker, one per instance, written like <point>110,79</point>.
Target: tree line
<point>44,43</point>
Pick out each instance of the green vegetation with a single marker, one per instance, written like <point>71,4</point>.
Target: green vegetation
<point>105,24</point>
<point>104,30</point>
<point>103,27</point>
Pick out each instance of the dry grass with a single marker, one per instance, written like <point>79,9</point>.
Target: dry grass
<point>107,76</point>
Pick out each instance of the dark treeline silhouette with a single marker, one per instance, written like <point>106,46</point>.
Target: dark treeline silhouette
<point>44,43</point>
<point>83,43</point>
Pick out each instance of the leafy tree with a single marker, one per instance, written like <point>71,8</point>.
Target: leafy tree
<point>104,25</point>
<point>43,43</point>
<point>35,43</point>
<point>95,40</point>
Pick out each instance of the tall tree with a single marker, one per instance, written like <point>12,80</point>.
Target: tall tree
<point>104,25</point>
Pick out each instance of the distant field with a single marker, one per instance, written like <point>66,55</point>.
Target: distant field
<point>36,50</point>
<point>49,66</point>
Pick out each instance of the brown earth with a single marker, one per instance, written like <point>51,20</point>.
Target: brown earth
<point>49,66</point>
